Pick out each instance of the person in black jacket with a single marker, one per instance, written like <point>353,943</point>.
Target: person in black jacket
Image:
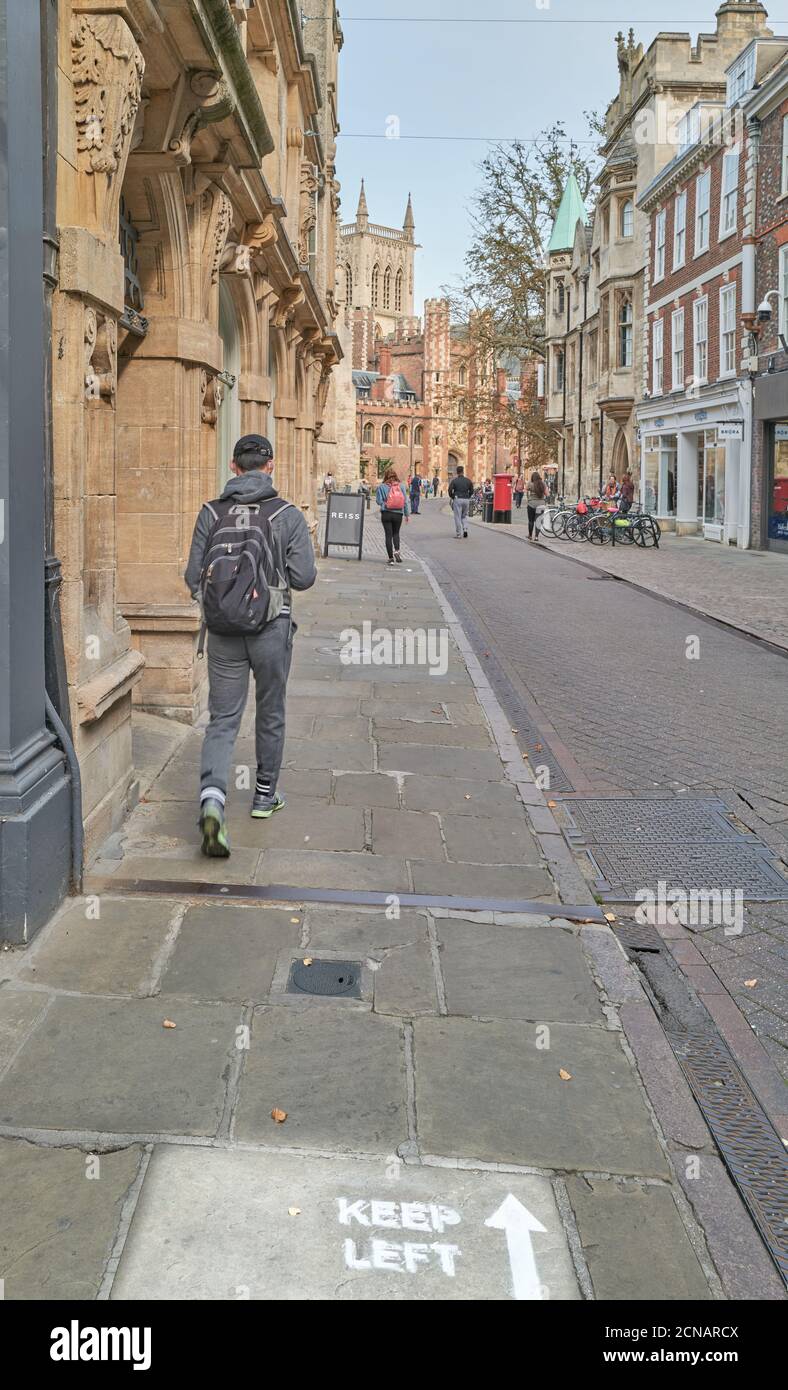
<point>460,492</point>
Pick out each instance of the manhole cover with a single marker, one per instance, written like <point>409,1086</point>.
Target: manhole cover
<point>624,871</point>
<point>751,1149</point>
<point>637,936</point>
<point>327,977</point>
<point>638,820</point>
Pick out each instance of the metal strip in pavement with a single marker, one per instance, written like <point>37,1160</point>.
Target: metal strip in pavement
<point>751,1148</point>
<point>281,892</point>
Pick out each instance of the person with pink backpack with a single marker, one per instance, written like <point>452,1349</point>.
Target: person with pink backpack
<point>392,499</point>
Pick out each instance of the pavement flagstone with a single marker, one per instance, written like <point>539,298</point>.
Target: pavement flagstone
<point>471,1125</point>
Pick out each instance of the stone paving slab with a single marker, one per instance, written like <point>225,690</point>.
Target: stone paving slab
<point>485,841</point>
<point>19,1012</point>
<point>460,797</point>
<point>358,933</point>
<point>440,762</point>
<point>337,1071</point>
<point>634,1242</point>
<point>409,833</point>
<point>596,1122</point>
<point>480,881</point>
<point>229,951</point>
<point>366,789</point>
<point>113,953</point>
<point>379,873</point>
<point>538,973</point>
<point>59,1214</point>
<point>349,754</point>
<point>216,1225</point>
<point>435,736</point>
<point>107,1064</point>
<point>404,983</point>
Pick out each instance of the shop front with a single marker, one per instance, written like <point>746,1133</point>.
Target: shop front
<point>771,454</point>
<point>694,467</point>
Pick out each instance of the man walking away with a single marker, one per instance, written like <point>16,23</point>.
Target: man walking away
<point>249,549</point>
<point>436,486</point>
<point>460,492</point>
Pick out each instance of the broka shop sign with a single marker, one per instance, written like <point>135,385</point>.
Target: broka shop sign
<point>75,1343</point>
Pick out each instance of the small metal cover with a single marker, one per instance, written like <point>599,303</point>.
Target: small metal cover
<point>326,977</point>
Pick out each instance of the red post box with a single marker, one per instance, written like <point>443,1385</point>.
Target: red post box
<point>502,499</point>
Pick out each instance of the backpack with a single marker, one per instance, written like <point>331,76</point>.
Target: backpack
<point>241,584</point>
<point>395,501</point>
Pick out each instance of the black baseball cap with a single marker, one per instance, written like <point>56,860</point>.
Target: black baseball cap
<point>253,444</point>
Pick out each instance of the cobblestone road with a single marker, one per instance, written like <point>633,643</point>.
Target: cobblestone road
<point>605,671</point>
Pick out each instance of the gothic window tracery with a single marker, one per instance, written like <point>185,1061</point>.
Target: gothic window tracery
<point>375,286</point>
<point>387,288</point>
<point>398,293</point>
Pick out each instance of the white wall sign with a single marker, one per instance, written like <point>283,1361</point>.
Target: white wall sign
<point>734,430</point>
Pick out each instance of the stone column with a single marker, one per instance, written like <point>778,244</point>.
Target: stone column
<point>35,815</point>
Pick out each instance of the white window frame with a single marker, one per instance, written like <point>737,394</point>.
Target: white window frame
<point>729,193</point>
<point>660,238</point>
<point>680,230</point>
<point>700,313</point>
<point>784,186</point>
<point>783,287</point>
<point>703,181</point>
<point>658,357</point>
<point>677,349</point>
<point>728,334</point>
<point>627,217</point>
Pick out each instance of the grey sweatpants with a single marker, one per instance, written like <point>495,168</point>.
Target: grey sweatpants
<point>460,508</point>
<point>267,654</point>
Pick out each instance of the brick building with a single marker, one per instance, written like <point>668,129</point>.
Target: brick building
<point>696,420</point>
<point>766,110</point>
<point>597,268</point>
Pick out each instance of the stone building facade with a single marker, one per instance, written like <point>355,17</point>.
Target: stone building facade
<point>195,301</point>
<point>766,112</point>
<point>376,267</point>
<point>596,269</point>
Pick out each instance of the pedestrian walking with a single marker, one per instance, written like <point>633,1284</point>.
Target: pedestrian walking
<point>535,504</point>
<point>250,548</point>
<point>415,494</point>
<point>519,491</point>
<point>627,492</point>
<point>460,492</point>
<point>436,486</point>
<point>393,502</point>
<point>328,483</point>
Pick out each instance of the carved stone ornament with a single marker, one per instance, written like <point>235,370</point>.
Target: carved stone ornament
<point>260,235</point>
<point>106,68</point>
<point>307,209</point>
<point>101,356</point>
<point>236,260</point>
<point>288,298</point>
<point>224,213</point>
<point>212,395</point>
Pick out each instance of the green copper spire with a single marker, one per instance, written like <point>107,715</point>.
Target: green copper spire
<point>572,210</point>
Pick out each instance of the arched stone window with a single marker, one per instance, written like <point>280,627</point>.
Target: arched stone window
<point>627,218</point>
<point>402,434</point>
<point>375,286</point>
<point>462,376</point>
<point>625,329</point>
<point>369,434</point>
<point>418,436</point>
<point>387,288</point>
<point>349,285</point>
<point>398,293</point>
<point>386,434</point>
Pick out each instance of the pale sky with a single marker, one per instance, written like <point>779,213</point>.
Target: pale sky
<point>415,60</point>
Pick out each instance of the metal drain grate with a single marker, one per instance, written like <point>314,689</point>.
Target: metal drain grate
<point>751,1149</point>
<point>625,870</point>
<point>637,936</point>
<point>687,820</point>
<point>326,977</point>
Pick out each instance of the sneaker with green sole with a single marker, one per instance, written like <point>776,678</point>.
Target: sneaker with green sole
<point>213,828</point>
<point>263,807</point>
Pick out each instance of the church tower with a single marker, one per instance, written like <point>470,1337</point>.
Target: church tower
<point>376,267</point>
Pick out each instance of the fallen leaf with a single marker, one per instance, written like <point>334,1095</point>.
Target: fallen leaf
<point>515,731</point>
<point>538,747</point>
<point>750,984</point>
<point>294,1211</point>
<point>565,1075</point>
<point>295,921</point>
<point>279,1116</point>
<point>610,916</point>
<point>525,755</point>
<point>308,960</point>
<point>168,1023</point>
<point>467,796</point>
<point>552,804</point>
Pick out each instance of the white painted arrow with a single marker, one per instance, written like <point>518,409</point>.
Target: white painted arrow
<point>518,1223</point>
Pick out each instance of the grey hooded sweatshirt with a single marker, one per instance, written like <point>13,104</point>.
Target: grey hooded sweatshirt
<point>296,552</point>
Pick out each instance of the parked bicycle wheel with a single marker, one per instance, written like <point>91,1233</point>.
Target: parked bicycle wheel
<point>649,532</point>
<point>559,524</point>
<point>599,530</point>
<point>625,530</point>
<point>572,527</point>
